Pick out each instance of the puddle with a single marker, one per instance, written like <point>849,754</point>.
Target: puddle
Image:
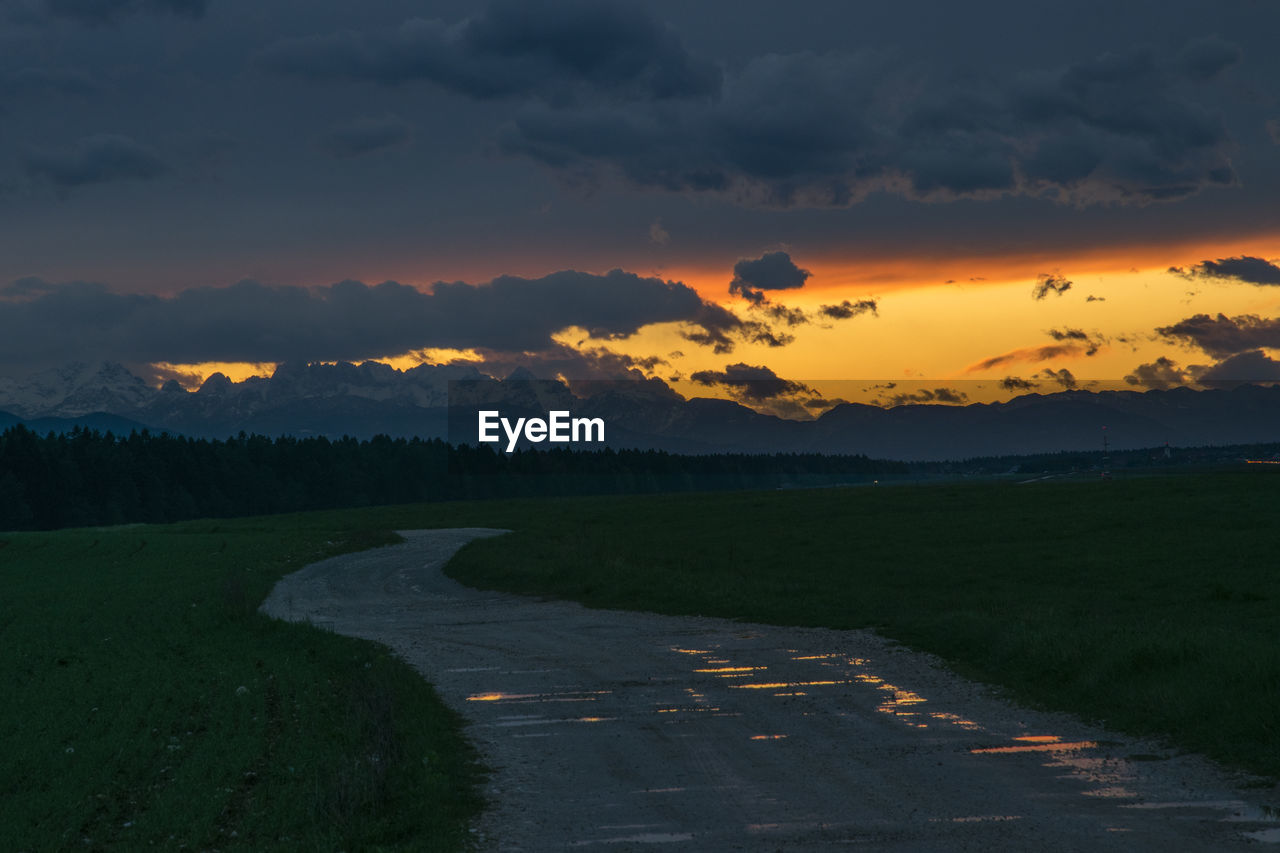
<point>1102,777</point>
<point>541,721</point>
<point>955,720</point>
<point>640,838</point>
<point>779,685</point>
<point>1057,746</point>
<point>525,698</point>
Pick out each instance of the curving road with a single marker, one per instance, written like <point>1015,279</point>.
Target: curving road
<point>630,731</point>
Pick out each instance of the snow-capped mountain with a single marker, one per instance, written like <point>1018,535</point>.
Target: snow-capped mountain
<point>301,398</point>
<point>74,389</point>
<point>363,400</point>
<point>313,399</point>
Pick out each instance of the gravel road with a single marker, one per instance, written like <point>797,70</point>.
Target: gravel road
<point>630,731</point>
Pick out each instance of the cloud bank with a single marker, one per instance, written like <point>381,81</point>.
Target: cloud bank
<point>826,130</point>
<point>350,320</point>
<point>1245,268</point>
<point>557,50</point>
<point>97,159</point>
<point>1223,336</point>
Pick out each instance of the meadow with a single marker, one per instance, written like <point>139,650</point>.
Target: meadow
<point>151,704</point>
<point>148,704</point>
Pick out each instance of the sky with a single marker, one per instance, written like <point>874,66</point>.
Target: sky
<point>929,201</point>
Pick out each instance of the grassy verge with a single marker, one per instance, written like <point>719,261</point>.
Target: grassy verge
<point>1151,604</point>
<point>148,704</point>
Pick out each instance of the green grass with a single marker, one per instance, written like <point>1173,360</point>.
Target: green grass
<point>1152,605</point>
<point>148,704</point>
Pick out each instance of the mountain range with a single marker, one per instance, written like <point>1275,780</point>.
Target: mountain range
<point>366,399</point>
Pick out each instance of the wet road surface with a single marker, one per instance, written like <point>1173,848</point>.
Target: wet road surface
<point>630,731</point>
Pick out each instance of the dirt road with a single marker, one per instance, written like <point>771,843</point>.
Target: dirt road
<point>616,731</point>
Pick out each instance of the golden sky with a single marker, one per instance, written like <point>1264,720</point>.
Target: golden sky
<point>938,321</point>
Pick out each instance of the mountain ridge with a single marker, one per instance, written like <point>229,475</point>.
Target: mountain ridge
<point>371,398</point>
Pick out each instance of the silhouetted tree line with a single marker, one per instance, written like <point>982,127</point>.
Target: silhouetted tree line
<point>84,477</point>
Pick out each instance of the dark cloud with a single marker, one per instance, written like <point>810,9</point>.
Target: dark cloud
<point>95,160</point>
<point>554,49</point>
<point>720,328</point>
<point>928,395</point>
<point>1047,283</point>
<point>847,309</point>
<point>754,279</point>
<point>1245,268</point>
<point>783,314</point>
<point>1015,383</point>
<point>762,389</point>
<point>1161,373</point>
<point>50,81</point>
<point>771,271</point>
<point>716,329</point>
<point>350,321</point>
<point>1092,298</point>
<point>1092,343</point>
<point>574,365</point>
<point>760,333</point>
<point>816,130</point>
<point>1062,376</point>
<point>1224,336</point>
<point>1205,58</point>
<point>25,289</point>
<point>750,383</point>
<point>109,11</point>
<point>1250,366</point>
<point>365,136</point>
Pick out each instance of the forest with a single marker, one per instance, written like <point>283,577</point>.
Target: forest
<point>87,478</point>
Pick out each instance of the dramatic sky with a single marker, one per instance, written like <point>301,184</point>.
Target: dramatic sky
<point>921,194</point>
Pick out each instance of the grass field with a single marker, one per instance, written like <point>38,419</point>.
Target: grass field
<point>1152,605</point>
<point>148,704</point>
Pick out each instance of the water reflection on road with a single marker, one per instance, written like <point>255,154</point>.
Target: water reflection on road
<point>1099,776</point>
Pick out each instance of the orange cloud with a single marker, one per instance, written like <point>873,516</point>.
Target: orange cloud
<point>1032,354</point>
